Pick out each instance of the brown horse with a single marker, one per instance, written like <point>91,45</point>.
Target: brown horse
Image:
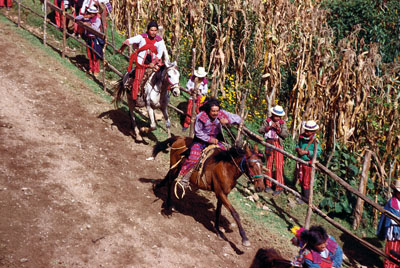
<point>270,258</point>
<point>220,174</point>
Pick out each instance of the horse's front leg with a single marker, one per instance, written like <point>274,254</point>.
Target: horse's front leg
<point>135,133</point>
<point>235,215</point>
<point>164,110</point>
<point>217,217</point>
<point>152,118</point>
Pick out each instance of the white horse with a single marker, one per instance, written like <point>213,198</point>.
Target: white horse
<point>155,96</point>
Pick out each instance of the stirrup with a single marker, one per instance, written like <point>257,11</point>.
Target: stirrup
<point>183,186</point>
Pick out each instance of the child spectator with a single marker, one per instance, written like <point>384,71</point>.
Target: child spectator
<point>317,248</point>
<point>305,150</point>
<point>199,78</point>
<point>275,131</point>
<point>97,44</point>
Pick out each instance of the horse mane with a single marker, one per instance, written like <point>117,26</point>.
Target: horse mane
<point>158,75</point>
<point>226,156</point>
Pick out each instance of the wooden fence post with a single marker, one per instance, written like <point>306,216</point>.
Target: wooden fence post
<point>113,33</point>
<point>44,22</point>
<point>129,30</point>
<point>358,210</point>
<point>19,13</point>
<point>64,25</point>
<point>243,116</point>
<point>104,22</point>
<point>194,95</point>
<point>310,199</point>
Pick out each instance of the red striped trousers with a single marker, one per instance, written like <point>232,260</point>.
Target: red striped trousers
<point>8,2</point>
<point>139,73</point>
<point>391,245</point>
<point>271,155</point>
<point>188,117</point>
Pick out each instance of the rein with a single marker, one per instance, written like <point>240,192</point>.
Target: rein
<point>252,178</point>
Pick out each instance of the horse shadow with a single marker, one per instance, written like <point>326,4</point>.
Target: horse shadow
<point>355,251</point>
<point>204,212</point>
<point>183,107</point>
<point>120,119</point>
<point>80,61</point>
<point>280,211</point>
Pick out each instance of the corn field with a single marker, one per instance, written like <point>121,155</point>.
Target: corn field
<point>263,44</point>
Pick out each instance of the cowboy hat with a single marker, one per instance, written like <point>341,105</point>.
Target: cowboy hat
<point>92,10</point>
<point>396,185</point>
<point>310,125</point>
<point>277,110</point>
<point>200,72</point>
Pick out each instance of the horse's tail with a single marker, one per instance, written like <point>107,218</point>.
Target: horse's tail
<point>163,145</point>
<point>119,92</point>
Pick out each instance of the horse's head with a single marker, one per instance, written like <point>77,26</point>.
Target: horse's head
<point>254,166</point>
<point>172,75</point>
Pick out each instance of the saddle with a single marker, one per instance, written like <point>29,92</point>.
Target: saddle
<point>199,167</point>
<point>129,77</point>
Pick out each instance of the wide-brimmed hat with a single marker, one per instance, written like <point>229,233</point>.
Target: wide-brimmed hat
<point>277,110</point>
<point>310,125</point>
<point>92,10</point>
<point>200,72</point>
<point>396,185</point>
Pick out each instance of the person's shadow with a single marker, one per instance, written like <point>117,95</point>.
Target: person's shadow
<point>196,206</point>
<point>358,254</point>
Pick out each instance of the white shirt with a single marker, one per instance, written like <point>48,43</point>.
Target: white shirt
<point>140,41</point>
<point>271,134</point>
<point>203,87</point>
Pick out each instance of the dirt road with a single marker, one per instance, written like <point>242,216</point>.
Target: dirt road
<point>75,191</point>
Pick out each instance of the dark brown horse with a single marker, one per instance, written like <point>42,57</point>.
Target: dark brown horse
<point>220,173</point>
<point>269,258</point>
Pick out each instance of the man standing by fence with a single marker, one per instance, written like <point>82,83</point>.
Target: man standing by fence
<point>275,131</point>
<point>388,229</point>
<point>305,150</point>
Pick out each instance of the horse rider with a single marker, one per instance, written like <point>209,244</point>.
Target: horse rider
<point>207,131</point>
<point>150,49</point>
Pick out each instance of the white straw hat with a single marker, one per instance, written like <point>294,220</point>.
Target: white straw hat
<point>396,185</point>
<point>200,72</point>
<point>310,125</point>
<point>92,9</point>
<point>277,110</point>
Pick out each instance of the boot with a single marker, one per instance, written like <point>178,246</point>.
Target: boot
<point>185,181</point>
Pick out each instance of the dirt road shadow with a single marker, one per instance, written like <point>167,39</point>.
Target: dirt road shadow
<point>194,205</point>
<point>120,119</point>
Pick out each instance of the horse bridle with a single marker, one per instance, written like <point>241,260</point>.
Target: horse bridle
<point>171,85</point>
<point>253,178</point>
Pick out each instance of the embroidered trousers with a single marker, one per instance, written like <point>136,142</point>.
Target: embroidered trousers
<point>278,157</point>
<point>391,245</point>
